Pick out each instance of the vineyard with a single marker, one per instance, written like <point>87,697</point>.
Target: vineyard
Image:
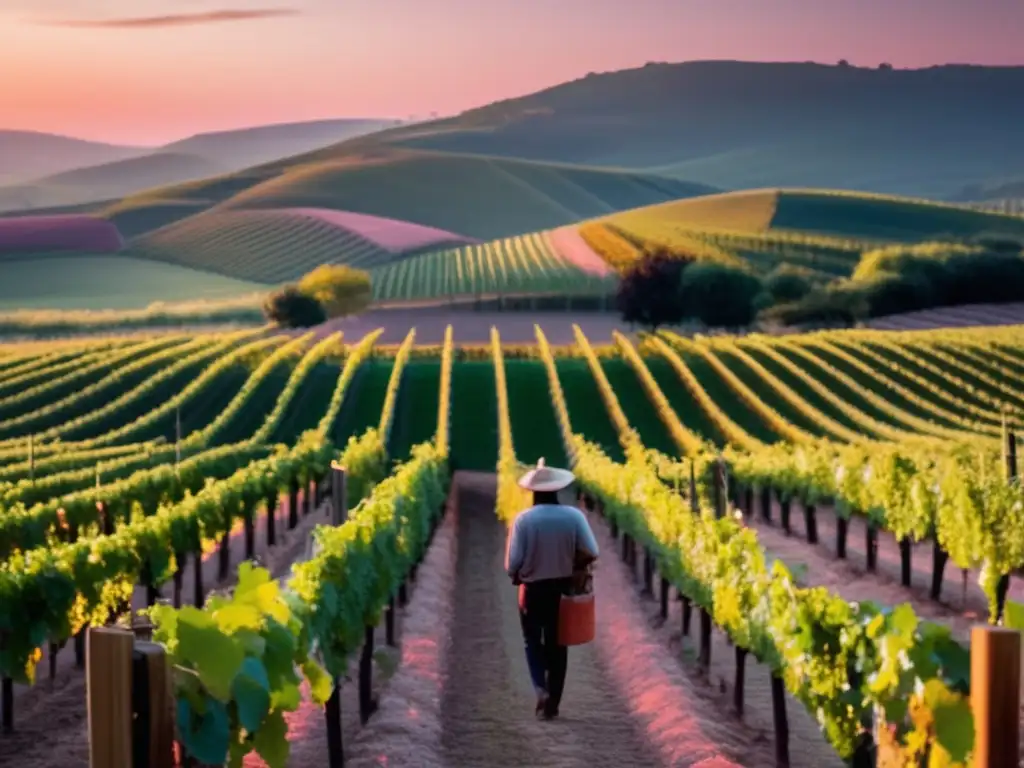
<point>518,266</point>
<point>277,246</point>
<point>160,464</point>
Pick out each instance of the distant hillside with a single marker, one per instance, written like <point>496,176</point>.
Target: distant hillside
<point>480,197</point>
<point>234,150</point>
<point>30,155</point>
<point>733,125</point>
<point>118,171</point>
<point>109,180</point>
<point>827,213</point>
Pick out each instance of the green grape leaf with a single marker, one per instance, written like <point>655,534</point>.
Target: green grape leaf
<point>234,617</point>
<point>954,724</point>
<point>251,691</point>
<point>216,656</point>
<point>320,683</point>
<point>286,696</point>
<point>249,578</point>
<point>1013,615</point>
<point>237,752</point>
<point>271,741</point>
<point>279,654</point>
<point>205,736</point>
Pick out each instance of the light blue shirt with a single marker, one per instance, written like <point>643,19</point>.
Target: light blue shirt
<point>543,542</point>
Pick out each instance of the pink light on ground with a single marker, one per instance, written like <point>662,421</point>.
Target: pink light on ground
<point>390,234</point>
<point>649,679</point>
<point>570,245</point>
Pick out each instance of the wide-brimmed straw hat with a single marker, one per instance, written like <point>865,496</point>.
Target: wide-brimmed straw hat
<point>544,478</point>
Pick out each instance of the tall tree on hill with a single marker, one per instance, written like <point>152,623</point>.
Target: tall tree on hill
<point>648,293</point>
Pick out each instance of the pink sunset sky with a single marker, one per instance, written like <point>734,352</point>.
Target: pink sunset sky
<point>150,71</point>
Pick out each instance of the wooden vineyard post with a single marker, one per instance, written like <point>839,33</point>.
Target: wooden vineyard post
<point>995,696</point>
<point>648,589</point>
<point>293,504</point>
<point>339,494</point>
<point>271,502</point>
<point>332,716</point>
<point>367,705</point>
<point>153,719</point>
<point>704,653</point>
<point>224,556</point>
<point>199,591</point>
<point>109,696</point>
<point>7,704</point>
<point>663,601</point>
<point>785,505</point>
<point>250,532</point>
<point>389,623</point>
<point>780,721</point>
<point>811,523</point>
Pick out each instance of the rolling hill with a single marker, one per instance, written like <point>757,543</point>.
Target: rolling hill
<point>732,125</point>
<point>480,197</point>
<point>31,155</point>
<point>108,180</point>
<point>276,246</point>
<point>827,213</point>
<point>51,171</point>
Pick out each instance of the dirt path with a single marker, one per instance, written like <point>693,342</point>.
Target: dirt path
<point>625,700</point>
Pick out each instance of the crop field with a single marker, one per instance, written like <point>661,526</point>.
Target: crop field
<point>517,266</point>
<point>844,421</point>
<point>274,247</point>
<point>822,231</point>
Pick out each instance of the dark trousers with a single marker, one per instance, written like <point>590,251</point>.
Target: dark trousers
<point>547,659</point>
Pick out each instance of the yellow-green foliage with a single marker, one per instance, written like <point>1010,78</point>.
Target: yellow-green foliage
<point>340,290</point>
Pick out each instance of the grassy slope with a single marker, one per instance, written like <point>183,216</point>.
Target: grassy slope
<point>587,414</point>
<point>474,425</point>
<point>535,432</point>
<point>843,215</point>
<point>416,416</point>
<point>741,125</point>
<point>85,281</point>
<point>363,402</point>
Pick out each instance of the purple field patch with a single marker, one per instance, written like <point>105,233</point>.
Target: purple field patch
<point>389,234</point>
<point>72,232</point>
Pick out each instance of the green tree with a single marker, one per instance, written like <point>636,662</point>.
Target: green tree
<point>648,292</point>
<point>291,308</point>
<point>719,295</point>
<point>340,290</point>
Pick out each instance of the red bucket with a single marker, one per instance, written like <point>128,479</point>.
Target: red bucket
<point>576,619</point>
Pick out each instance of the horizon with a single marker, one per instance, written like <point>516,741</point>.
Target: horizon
<point>148,72</point>
<point>411,119</point>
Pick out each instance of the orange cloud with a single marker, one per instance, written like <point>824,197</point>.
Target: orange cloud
<point>172,20</point>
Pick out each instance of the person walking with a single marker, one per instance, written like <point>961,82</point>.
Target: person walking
<point>548,545</point>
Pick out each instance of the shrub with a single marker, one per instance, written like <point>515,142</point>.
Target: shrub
<point>835,306</point>
<point>719,294</point>
<point>291,308</point>
<point>788,282</point>
<point>907,278</point>
<point>340,290</point>
<point>648,292</point>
